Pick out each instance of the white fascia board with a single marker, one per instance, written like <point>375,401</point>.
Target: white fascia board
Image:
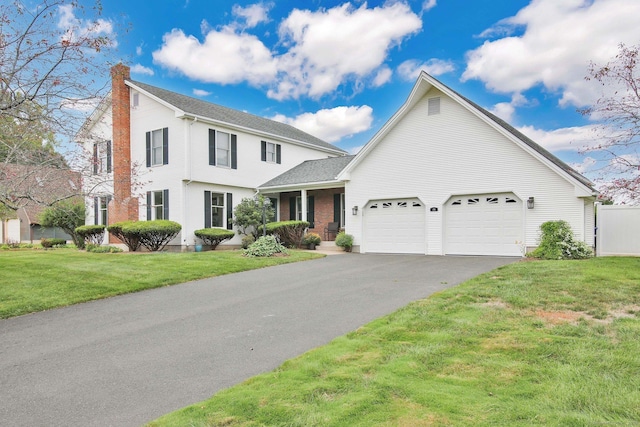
<point>90,121</point>
<point>303,186</point>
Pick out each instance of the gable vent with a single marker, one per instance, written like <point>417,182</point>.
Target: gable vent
<point>434,106</point>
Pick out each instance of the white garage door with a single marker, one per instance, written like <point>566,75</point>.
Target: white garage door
<point>394,226</point>
<point>487,224</point>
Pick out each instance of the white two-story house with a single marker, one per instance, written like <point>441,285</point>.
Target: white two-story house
<point>158,154</point>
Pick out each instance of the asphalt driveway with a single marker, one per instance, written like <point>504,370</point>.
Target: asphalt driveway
<point>127,360</point>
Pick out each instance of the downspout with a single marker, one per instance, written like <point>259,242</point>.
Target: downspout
<point>189,165</point>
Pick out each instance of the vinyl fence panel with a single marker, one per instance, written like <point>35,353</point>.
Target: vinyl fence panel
<point>618,230</point>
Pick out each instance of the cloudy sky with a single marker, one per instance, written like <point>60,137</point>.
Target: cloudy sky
<point>339,70</point>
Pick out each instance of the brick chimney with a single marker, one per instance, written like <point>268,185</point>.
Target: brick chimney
<point>123,207</point>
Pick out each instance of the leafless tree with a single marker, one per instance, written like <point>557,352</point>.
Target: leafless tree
<point>618,132</point>
<point>54,62</point>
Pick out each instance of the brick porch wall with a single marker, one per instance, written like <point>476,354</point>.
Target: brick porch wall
<point>323,207</point>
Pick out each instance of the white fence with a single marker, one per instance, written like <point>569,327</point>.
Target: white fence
<point>618,230</point>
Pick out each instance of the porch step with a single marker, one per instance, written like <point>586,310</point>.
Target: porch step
<point>329,246</point>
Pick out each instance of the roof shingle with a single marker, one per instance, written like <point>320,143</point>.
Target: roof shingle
<point>310,171</point>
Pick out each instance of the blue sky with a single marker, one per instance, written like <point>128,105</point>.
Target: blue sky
<point>339,70</point>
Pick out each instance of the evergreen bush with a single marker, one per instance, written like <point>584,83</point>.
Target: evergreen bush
<point>290,233</point>
<point>213,236</point>
<point>91,234</point>
<point>344,241</point>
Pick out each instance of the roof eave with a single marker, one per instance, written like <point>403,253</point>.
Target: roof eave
<point>302,186</point>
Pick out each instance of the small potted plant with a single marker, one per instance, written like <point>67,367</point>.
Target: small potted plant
<point>345,241</point>
<point>311,240</point>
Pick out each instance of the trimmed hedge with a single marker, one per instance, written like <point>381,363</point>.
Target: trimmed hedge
<point>214,236</point>
<point>153,235</point>
<point>53,242</point>
<point>91,234</point>
<point>131,240</point>
<point>290,233</point>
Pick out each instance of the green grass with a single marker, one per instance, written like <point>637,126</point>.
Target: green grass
<point>34,280</point>
<point>544,343</point>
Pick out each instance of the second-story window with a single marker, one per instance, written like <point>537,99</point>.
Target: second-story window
<point>158,147</point>
<point>270,152</point>
<point>223,149</point>
<point>102,157</point>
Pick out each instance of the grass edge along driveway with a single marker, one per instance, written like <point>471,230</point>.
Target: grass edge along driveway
<point>36,280</point>
<point>531,343</point>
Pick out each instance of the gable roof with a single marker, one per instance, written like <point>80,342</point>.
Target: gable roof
<point>234,118</point>
<point>310,172</point>
<point>424,83</point>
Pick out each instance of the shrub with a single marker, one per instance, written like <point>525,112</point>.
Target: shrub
<point>91,234</point>
<point>68,215</point>
<point>214,236</point>
<point>132,240</point>
<point>102,249</point>
<point>153,235</point>
<point>290,233</point>
<point>265,246</point>
<point>53,243</point>
<point>344,240</point>
<point>558,242</point>
<point>247,240</point>
<point>310,238</point>
<point>247,215</point>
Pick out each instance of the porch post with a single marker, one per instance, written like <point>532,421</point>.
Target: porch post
<point>303,201</point>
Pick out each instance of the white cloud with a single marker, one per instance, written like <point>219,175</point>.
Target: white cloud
<point>428,5</point>
<point>224,57</point>
<point>586,166</point>
<point>332,124</point>
<point>329,47</point>
<point>571,138</point>
<point>320,50</point>
<point>141,69</point>
<point>77,28</point>
<point>201,92</point>
<point>556,42</point>
<point>505,110</point>
<point>139,49</point>
<point>253,14</point>
<point>383,76</point>
<point>410,70</point>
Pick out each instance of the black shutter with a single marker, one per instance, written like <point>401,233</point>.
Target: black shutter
<point>263,151</point>
<point>108,201</point>
<point>234,151</point>
<point>148,205</point>
<point>311,212</point>
<point>336,209</point>
<point>229,211</point>
<point>108,156</point>
<point>95,158</point>
<point>212,147</point>
<point>292,208</point>
<point>278,154</point>
<point>165,204</point>
<point>148,149</point>
<point>207,209</point>
<point>165,146</point>
<point>96,210</point>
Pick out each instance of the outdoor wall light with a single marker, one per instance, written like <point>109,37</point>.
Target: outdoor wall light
<point>354,210</point>
<point>530,202</point>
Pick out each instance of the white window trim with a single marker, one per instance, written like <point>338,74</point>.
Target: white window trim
<point>155,206</point>
<point>219,149</point>
<point>155,147</point>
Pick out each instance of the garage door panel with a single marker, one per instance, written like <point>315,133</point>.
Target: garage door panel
<point>394,226</point>
<point>483,225</point>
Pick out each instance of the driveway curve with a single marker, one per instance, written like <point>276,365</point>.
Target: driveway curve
<point>127,360</point>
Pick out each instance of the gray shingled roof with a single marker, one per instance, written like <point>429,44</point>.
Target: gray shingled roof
<point>223,114</point>
<point>310,171</point>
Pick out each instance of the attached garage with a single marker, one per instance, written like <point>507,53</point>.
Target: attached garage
<point>484,224</point>
<point>394,226</point>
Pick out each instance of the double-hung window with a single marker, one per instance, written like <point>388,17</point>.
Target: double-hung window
<point>101,212</point>
<point>270,152</point>
<point>101,157</point>
<point>223,149</point>
<point>158,147</point>
<point>157,205</point>
<point>218,210</point>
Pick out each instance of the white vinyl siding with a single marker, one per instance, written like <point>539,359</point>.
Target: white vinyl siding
<point>457,152</point>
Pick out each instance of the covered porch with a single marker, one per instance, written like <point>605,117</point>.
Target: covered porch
<point>311,192</point>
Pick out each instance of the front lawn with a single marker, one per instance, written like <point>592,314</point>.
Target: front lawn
<point>548,343</point>
<point>35,280</point>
